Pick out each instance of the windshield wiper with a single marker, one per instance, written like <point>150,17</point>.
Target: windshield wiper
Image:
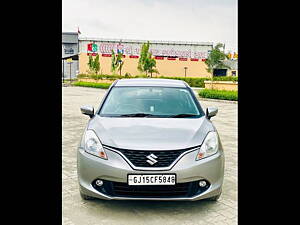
<point>136,115</point>
<point>183,115</point>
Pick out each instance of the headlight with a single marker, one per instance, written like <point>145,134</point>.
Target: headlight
<point>93,145</point>
<point>209,147</point>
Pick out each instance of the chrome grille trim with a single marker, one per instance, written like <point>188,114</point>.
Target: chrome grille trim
<point>151,168</point>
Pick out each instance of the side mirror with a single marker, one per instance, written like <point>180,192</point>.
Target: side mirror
<point>211,111</point>
<point>87,110</point>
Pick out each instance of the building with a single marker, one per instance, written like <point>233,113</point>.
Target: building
<point>173,58</point>
<point>70,47</point>
<point>233,64</point>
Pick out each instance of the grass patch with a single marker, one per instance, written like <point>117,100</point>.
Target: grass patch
<point>91,84</point>
<point>219,94</point>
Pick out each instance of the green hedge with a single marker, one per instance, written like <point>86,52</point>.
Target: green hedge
<point>192,81</point>
<point>90,84</point>
<point>219,94</point>
<point>229,78</point>
<point>102,76</point>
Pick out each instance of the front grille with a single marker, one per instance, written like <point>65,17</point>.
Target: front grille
<point>139,157</point>
<point>179,190</point>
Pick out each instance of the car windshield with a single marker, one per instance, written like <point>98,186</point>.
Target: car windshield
<point>150,102</point>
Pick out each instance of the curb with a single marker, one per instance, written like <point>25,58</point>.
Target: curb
<point>217,100</point>
<point>67,85</point>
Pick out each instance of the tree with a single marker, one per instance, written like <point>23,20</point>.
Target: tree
<point>113,61</point>
<point>215,60</point>
<point>94,64</point>
<point>143,56</point>
<point>146,62</point>
<point>91,63</point>
<point>116,62</point>
<point>149,65</point>
<point>120,65</point>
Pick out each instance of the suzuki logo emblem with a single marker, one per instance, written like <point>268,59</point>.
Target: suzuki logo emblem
<point>151,158</point>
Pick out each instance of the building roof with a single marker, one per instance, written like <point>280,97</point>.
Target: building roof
<point>144,41</point>
<point>150,82</point>
<point>71,33</point>
<point>74,57</point>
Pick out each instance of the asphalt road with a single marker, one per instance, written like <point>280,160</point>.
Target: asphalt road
<point>79,212</point>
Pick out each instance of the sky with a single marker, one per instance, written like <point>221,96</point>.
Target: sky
<point>169,20</point>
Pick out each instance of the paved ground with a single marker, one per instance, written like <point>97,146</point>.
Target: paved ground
<point>79,212</point>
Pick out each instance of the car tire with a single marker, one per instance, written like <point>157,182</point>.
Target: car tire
<point>214,198</point>
<point>86,197</point>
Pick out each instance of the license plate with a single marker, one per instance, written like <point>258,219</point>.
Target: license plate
<point>151,179</point>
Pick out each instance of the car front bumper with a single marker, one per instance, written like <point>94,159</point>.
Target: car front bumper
<point>116,169</point>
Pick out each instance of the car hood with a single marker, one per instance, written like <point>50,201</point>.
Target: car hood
<point>150,133</point>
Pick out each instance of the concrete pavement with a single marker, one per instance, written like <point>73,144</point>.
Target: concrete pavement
<point>79,212</point>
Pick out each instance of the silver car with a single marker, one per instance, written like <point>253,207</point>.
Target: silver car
<point>150,140</point>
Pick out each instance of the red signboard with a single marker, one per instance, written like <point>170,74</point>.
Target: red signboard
<point>159,57</point>
<point>171,58</point>
<point>194,59</point>
<point>133,56</point>
<point>89,47</point>
<point>182,59</point>
<point>109,55</point>
<point>203,60</point>
<point>92,54</point>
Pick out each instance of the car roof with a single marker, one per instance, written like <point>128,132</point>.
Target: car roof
<point>150,82</point>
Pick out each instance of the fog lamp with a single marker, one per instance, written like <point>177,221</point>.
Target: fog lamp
<point>99,183</point>
<point>202,183</point>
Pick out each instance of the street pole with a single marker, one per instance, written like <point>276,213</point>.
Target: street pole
<point>185,68</point>
<point>120,68</point>
<point>70,71</point>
